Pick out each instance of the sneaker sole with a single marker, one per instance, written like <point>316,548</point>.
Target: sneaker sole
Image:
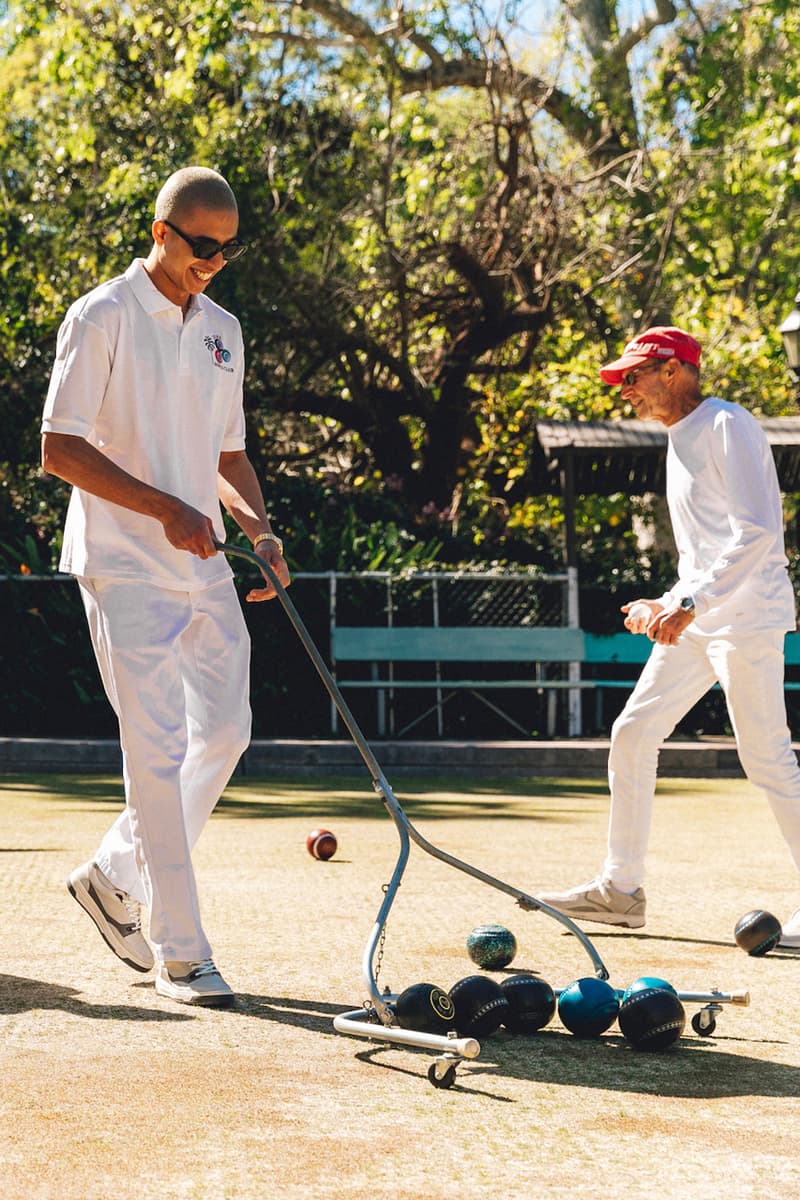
<point>79,893</point>
<point>620,920</point>
<point>194,1001</point>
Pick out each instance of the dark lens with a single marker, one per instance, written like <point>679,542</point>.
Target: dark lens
<point>233,250</point>
<point>205,247</point>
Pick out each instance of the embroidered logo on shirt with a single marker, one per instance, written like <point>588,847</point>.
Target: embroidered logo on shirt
<point>220,355</point>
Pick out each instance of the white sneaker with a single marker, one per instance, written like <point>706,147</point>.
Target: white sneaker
<point>599,901</point>
<point>193,983</point>
<point>790,932</point>
<point>116,914</point>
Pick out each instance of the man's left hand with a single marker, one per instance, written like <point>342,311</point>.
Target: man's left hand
<point>270,553</point>
<point>669,625</point>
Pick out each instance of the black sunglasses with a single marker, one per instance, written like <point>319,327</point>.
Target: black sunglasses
<point>204,247</point>
<point>630,377</point>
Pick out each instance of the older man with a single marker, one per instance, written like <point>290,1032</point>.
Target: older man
<point>722,622</point>
<point>144,418</point>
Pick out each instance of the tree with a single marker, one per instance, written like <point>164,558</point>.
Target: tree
<point>449,233</point>
<point>729,91</point>
<point>473,232</point>
<point>547,224</point>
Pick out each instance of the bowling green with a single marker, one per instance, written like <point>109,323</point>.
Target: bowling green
<point>109,1091</point>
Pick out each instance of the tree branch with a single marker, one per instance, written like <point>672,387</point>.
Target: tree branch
<point>665,14</point>
<point>464,70</point>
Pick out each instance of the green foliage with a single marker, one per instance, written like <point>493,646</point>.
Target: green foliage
<point>727,100</point>
<point>324,529</point>
<point>434,269</point>
<point>443,254</point>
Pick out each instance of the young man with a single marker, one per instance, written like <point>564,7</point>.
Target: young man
<point>723,621</point>
<point>144,418</point>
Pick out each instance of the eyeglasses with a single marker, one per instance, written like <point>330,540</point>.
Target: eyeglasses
<point>630,377</point>
<point>204,247</point>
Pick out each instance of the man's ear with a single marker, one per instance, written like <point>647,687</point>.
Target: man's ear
<point>159,231</point>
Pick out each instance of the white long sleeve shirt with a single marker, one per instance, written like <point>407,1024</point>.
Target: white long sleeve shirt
<point>725,506</point>
<point>161,397</point>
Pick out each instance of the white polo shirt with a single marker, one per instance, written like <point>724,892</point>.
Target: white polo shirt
<point>726,512</point>
<point>161,397</point>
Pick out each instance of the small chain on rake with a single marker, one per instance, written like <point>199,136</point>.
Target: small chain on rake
<point>368,1005</point>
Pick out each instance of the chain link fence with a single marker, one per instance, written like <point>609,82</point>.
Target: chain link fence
<point>462,599</point>
<point>49,684</point>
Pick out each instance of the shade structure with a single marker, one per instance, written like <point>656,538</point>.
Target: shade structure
<point>601,458</point>
<point>629,456</point>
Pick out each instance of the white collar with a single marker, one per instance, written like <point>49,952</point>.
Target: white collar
<point>151,299</point>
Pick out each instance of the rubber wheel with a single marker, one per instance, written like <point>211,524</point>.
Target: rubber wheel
<point>704,1028</point>
<point>442,1081</point>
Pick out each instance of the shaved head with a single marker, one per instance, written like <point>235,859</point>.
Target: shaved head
<point>194,187</point>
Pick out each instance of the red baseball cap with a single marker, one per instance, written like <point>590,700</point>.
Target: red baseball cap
<point>661,341</point>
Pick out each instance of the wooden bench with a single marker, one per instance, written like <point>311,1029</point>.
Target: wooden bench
<point>791,651</point>
<point>586,661</point>
<point>533,647</point>
<point>624,650</point>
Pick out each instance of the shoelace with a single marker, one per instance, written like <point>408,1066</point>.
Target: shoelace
<point>204,967</point>
<point>133,909</point>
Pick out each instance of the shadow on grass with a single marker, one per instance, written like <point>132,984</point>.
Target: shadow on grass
<point>31,849</point>
<point>693,1069</point>
<point>69,787</point>
<point>368,1056</point>
<point>19,994</point>
<point>432,797</point>
<point>655,937</point>
<point>316,1016</point>
<point>784,953</point>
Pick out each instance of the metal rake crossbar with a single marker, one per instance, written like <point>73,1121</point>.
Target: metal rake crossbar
<point>376,1020</point>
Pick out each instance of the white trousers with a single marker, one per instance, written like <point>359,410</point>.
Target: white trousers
<point>750,672</point>
<point>175,666</point>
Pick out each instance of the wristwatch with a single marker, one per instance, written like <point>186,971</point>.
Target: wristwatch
<point>268,537</point>
<point>687,604</point>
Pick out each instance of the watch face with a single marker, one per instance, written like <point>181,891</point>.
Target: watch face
<point>687,604</point>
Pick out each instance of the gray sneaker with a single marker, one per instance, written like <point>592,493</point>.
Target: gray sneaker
<point>599,901</point>
<point>790,934</point>
<point>193,983</point>
<point>116,914</point>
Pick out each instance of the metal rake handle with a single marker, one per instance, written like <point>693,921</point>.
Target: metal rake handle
<point>305,637</point>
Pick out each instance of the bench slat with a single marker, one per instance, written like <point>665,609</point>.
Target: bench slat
<point>456,643</point>
<point>476,685</point>
<point>635,648</point>
<point>792,649</point>
<point>617,648</point>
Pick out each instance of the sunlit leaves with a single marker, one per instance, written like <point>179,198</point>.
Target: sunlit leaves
<point>432,271</point>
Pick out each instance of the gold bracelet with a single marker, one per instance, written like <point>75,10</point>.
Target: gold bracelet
<point>268,537</point>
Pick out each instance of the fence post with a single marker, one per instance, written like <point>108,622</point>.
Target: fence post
<point>331,628</point>
<point>438,669</point>
<point>574,721</point>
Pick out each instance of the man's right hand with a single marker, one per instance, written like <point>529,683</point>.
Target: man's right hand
<point>80,463</point>
<point>187,529</point>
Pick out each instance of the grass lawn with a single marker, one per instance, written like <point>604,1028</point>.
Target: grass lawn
<point>109,1091</point>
